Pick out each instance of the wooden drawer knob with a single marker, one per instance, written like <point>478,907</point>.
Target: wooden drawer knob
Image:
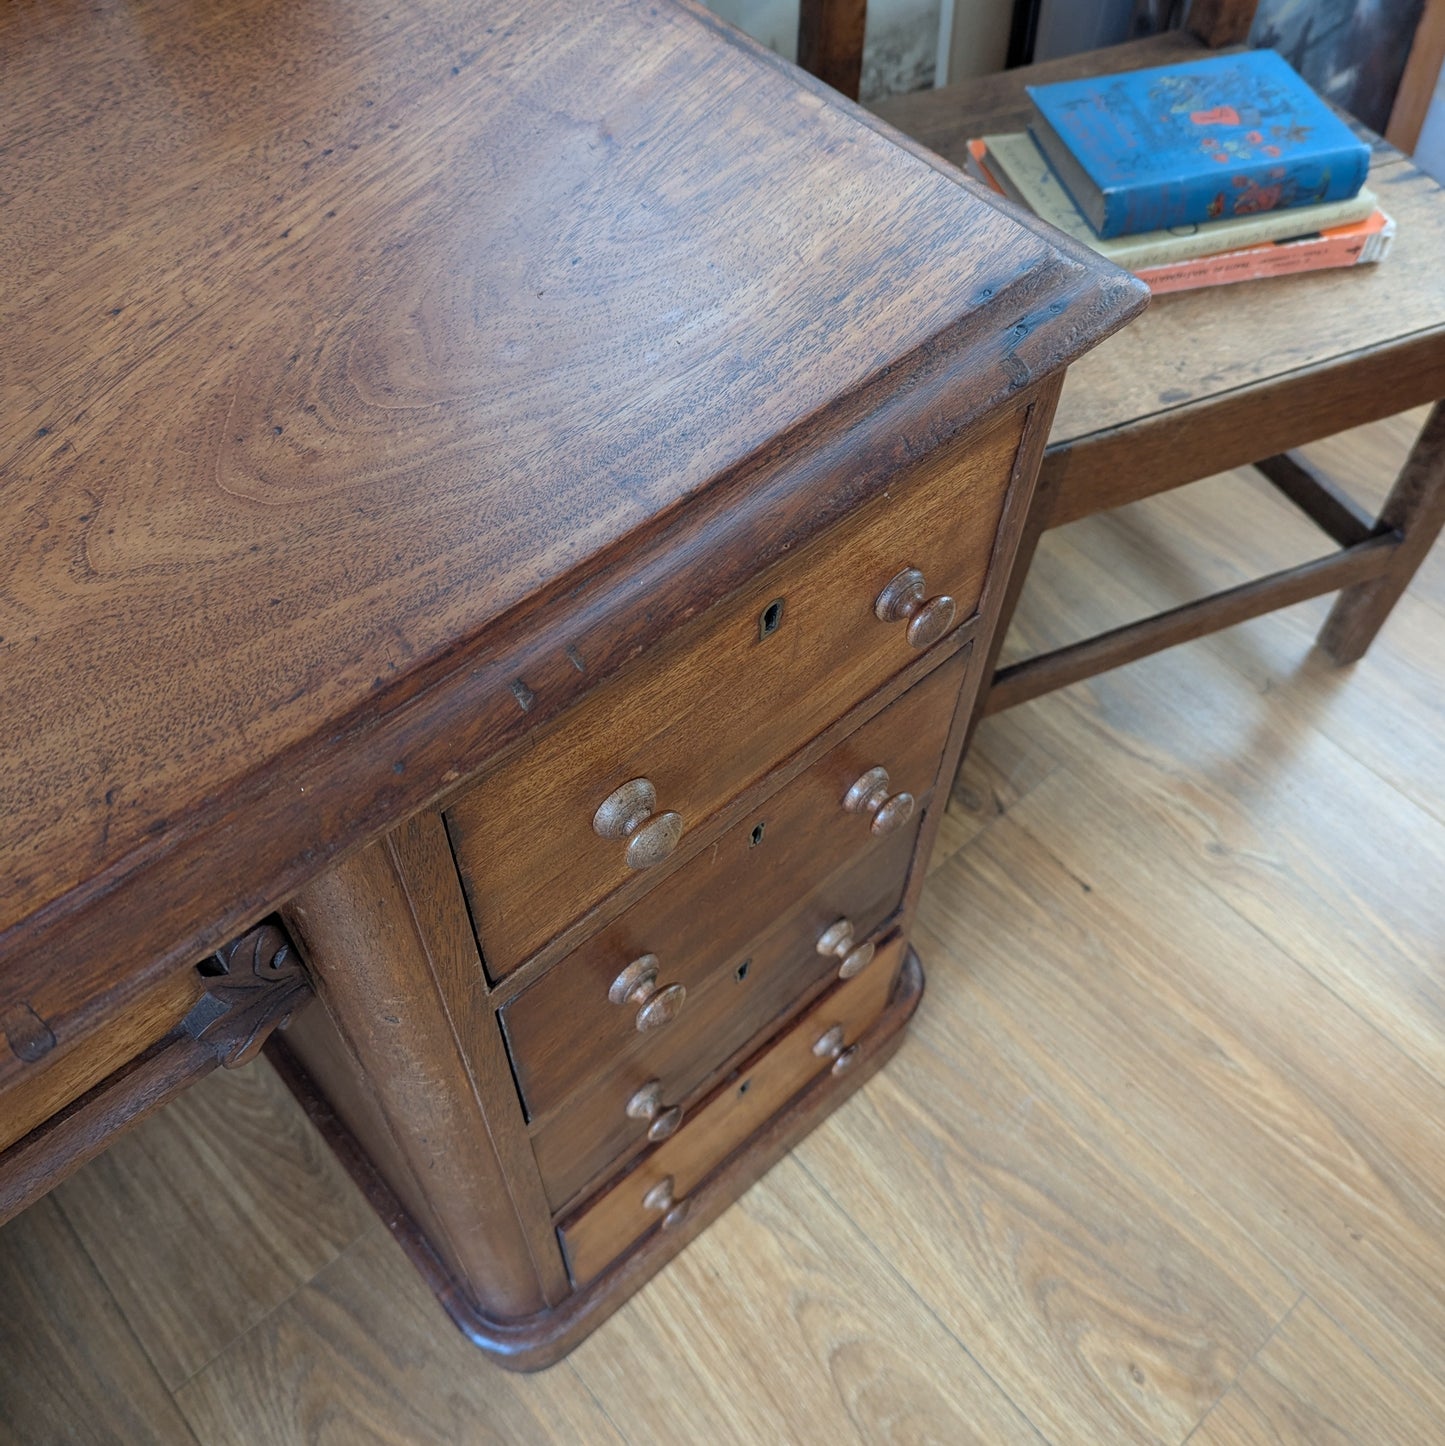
<point>905,598</point>
<point>647,1104</point>
<point>630,813</point>
<point>660,1199</point>
<point>830,1045</point>
<point>637,984</point>
<point>870,795</point>
<point>837,939</point>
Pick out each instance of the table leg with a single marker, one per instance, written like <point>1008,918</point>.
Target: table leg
<point>1415,509</point>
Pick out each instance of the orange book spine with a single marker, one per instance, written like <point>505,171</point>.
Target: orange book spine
<point>1364,242</point>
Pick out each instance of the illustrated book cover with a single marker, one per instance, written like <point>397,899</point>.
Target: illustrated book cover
<point>1025,176</point>
<point>1232,135</point>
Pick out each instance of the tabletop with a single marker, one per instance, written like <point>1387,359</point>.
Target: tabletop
<point>346,348</point>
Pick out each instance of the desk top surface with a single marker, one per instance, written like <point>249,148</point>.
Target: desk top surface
<point>339,339</point>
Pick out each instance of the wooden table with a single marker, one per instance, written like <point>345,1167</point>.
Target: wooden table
<point>1237,376</point>
<point>398,398</point>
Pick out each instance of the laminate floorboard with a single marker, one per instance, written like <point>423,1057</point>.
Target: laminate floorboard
<point>1312,1382</point>
<point>1163,1159</point>
<point>70,1367</point>
<point>208,1215</point>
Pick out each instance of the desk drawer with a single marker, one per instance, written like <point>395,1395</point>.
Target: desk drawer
<point>737,1005</point>
<point>722,703</point>
<point>702,920</point>
<point>51,1083</point>
<point>656,1192</point>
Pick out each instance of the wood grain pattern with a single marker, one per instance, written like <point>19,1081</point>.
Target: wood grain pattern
<point>1314,1141</point>
<point>720,705</point>
<point>1078,1268</point>
<point>830,42</point>
<point>72,1369</point>
<point>53,1081</point>
<point>400,1062</point>
<point>232,1160</point>
<point>1313,1383</point>
<point>703,918</point>
<point>1368,920</point>
<point>607,1226</point>
<point>364,1353</point>
<point>1190,350</point>
<point>816,1363</point>
<point>593,1133</point>
<point>1248,1137</point>
<point>326,315</point>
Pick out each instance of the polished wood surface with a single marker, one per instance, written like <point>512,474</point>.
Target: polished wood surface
<point>1211,380</point>
<point>724,701</point>
<point>72,1104</point>
<point>1107,1192</point>
<point>657,1192</point>
<point>703,920</point>
<point>330,412</point>
<point>406,1051</point>
<point>779,974</point>
<point>62,1076</point>
<point>830,41</point>
<point>1193,350</point>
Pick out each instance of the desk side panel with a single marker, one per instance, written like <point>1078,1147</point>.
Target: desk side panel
<point>408,1055</point>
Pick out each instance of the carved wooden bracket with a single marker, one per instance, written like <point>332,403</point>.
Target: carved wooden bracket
<point>255,984</point>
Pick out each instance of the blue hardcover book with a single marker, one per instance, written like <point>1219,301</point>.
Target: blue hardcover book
<point>1228,136</point>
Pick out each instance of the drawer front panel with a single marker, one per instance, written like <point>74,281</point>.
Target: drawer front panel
<point>721,704</point>
<point>564,1029</point>
<point>48,1085</point>
<point>778,971</point>
<point>597,1235</point>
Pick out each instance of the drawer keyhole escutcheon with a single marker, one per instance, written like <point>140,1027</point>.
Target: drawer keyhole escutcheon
<point>637,984</point>
<point>830,1046</point>
<point>905,599</point>
<point>631,813</point>
<point>660,1198</point>
<point>646,1104</point>
<point>870,795</point>
<point>837,940</point>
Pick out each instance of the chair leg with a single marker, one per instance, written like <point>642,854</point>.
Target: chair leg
<point>1415,509</point>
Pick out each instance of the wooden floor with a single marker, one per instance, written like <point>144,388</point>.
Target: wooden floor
<point>1163,1160</point>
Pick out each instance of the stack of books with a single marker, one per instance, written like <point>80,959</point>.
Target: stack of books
<point>1219,170</point>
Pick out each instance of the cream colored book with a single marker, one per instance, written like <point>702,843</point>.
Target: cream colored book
<point>1021,170</point>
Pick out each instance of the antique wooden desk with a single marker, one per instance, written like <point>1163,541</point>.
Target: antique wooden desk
<point>502,506</point>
